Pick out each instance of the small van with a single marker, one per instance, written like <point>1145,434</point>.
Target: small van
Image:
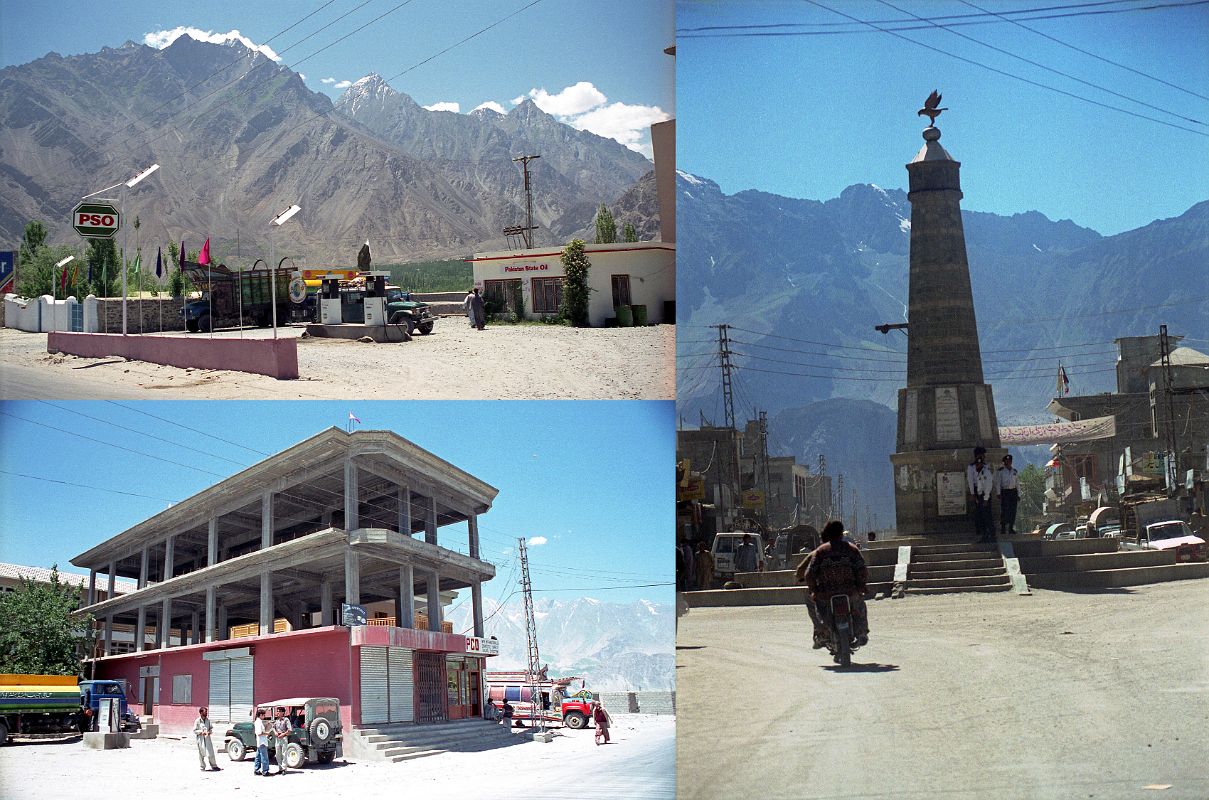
<point>725,546</point>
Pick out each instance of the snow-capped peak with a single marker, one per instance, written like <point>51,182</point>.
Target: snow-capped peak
<point>693,179</point>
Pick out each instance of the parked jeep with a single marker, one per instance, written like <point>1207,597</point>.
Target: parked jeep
<point>316,731</point>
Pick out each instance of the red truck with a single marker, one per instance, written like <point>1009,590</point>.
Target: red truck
<point>557,704</point>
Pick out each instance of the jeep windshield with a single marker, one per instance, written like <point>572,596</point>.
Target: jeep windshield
<point>396,295</point>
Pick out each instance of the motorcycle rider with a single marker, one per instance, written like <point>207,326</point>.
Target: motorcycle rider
<point>835,567</point>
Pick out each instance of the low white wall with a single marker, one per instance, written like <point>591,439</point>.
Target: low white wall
<point>92,316</point>
<point>22,314</point>
<point>56,314</point>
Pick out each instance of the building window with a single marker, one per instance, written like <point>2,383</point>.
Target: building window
<point>182,690</point>
<point>547,295</point>
<point>498,295</point>
<point>621,290</point>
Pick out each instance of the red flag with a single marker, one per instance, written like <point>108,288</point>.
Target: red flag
<point>203,258</point>
<point>63,281</point>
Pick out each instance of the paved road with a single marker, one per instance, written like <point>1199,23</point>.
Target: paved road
<point>19,382</point>
<point>1058,695</point>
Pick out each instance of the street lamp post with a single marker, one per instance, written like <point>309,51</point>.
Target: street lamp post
<point>278,221</point>
<point>129,185</point>
<point>54,292</point>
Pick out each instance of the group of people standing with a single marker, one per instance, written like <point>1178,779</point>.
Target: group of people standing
<point>983,483</point>
<point>275,731</point>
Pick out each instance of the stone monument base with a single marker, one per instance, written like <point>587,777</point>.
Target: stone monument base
<point>930,494</point>
<point>104,740</point>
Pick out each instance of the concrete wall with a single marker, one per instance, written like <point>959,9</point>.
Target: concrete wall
<point>22,314</point>
<point>147,315</point>
<point>277,358</point>
<point>639,702</point>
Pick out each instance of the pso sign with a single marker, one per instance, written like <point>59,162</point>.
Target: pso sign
<point>94,220</point>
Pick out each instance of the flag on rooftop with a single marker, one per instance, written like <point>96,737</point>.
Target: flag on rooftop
<point>1063,382</point>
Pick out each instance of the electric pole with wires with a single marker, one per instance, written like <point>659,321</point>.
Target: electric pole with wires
<point>535,663</point>
<point>525,231</point>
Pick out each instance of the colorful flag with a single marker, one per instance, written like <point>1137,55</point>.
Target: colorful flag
<point>182,265</point>
<point>159,263</point>
<point>63,280</point>
<point>351,418</point>
<point>1063,383</point>
<point>203,257</point>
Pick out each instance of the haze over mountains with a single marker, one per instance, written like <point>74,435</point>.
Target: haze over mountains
<point>804,283</point>
<point>374,165</point>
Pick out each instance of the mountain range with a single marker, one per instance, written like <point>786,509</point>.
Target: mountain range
<point>239,138</point>
<point>804,282</point>
<point>612,646</point>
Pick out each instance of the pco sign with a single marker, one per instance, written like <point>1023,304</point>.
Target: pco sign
<point>94,220</point>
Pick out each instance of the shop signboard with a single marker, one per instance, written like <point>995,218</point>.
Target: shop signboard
<point>482,647</point>
<point>753,499</point>
<point>8,261</point>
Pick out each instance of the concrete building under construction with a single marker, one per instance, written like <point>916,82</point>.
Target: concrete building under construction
<point>265,578</point>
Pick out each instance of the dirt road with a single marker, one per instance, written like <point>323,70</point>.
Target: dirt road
<point>638,764</point>
<point>1057,695</point>
<point>506,362</point>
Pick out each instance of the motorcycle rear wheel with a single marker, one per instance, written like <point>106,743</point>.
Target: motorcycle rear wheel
<point>844,651</point>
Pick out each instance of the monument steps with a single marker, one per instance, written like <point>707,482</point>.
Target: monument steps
<point>943,571</point>
<point>989,557</point>
<point>956,567</point>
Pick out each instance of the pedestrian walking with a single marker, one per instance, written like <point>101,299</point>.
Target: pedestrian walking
<point>980,482</point>
<point>281,737</point>
<point>202,728</point>
<point>705,566</point>
<point>1007,486</point>
<point>261,728</point>
<point>474,309</point>
<point>601,718</point>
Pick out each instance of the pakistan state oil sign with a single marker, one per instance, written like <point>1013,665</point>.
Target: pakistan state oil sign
<point>94,220</point>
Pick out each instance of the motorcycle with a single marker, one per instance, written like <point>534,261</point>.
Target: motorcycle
<point>837,620</point>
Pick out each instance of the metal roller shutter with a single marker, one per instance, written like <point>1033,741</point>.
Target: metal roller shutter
<point>402,685</point>
<point>375,707</point>
<point>241,689</point>
<point>220,691</point>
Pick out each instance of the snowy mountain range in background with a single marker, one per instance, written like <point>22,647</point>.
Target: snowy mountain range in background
<point>612,646</point>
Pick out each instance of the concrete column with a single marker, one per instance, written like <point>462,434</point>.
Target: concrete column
<point>140,629</point>
<point>266,603</point>
<point>195,627</point>
<point>163,634</point>
<point>433,591</point>
<point>476,604</point>
<point>113,579</point>
<point>266,520</point>
<point>351,496</point>
<point>430,521</point>
<point>406,616</point>
<point>211,621</point>
<point>352,578</point>
<point>143,569</point>
<point>472,525</point>
<point>325,604</point>
<point>169,557</point>
<point>404,511</point>
<point>212,542</point>
<point>224,630</point>
<point>92,586</point>
<point>108,635</point>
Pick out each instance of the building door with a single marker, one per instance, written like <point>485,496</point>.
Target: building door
<point>387,685</point>
<point>230,697</point>
<point>458,682</point>
<point>432,684</point>
<point>476,692</point>
<point>401,683</point>
<point>621,290</point>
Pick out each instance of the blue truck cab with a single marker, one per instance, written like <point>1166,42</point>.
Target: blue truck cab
<point>91,694</point>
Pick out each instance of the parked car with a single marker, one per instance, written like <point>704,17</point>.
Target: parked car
<point>315,736</point>
<point>1172,534</point>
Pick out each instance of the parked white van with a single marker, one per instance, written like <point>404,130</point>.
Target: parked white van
<point>725,546</point>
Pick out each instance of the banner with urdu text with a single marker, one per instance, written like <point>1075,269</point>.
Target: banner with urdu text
<point>1085,430</point>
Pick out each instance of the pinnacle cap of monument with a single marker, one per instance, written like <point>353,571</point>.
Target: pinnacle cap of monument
<point>932,151</point>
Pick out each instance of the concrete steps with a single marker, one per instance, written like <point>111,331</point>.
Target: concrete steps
<point>1122,576</point>
<point>956,567</point>
<point>407,741</point>
<point>766,596</point>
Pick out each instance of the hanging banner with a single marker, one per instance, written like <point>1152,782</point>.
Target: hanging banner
<point>1085,430</point>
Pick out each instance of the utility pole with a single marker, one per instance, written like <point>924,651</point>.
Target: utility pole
<point>856,510</point>
<point>839,498</point>
<point>1173,470</point>
<point>764,461</point>
<point>535,663</point>
<point>728,398</point>
<point>525,231</point>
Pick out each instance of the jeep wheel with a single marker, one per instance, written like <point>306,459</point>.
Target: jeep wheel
<point>295,756</point>
<point>326,756</point>
<point>321,731</point>
<point>236,750</point>
<point>575,720</point>
<point>426,328</point>
<point>203,323</point>
<point>191,325</point>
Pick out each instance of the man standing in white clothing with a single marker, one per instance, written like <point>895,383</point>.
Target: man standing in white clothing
<point>1007,486</point>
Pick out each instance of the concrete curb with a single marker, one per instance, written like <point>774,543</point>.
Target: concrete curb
<point>1012,565</point>
<point>277,358</point>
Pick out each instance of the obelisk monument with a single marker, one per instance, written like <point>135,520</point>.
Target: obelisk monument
<point>946,409</point>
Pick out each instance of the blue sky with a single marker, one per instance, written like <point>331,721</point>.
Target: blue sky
<point>591,478</point>
<point>543,51</point>
<point>807,116</point>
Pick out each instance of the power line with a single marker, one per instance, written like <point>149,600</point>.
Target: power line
<point>1011,75</point>
<point>606,588</point>
<point>44,479</point>
<point>186,427</point>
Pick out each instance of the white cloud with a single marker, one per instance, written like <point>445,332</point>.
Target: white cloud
<point>534,541</point>
<point>570,101</point>
<point>343,85</point>
<point>628,124</point>
<point>328,81</point>
<point>445,106</point>
<point>491,104</point>
<point>161,39</point>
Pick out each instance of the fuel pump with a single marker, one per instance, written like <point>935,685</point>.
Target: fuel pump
<point>329,300</point>
<point>375,297</point>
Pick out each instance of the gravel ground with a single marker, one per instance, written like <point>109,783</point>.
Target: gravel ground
<point>637,764</point>
<point>505,362</point>
<point>1055,695</point>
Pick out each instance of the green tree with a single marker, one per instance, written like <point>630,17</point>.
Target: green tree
<point>628,233</point>
<point>575,285</point>
<point>38,275</point>
<point>102,260</point>
<point>39,632</point>
<point>1032,495</point>
<point>606,228</point>
<point>33,241</point>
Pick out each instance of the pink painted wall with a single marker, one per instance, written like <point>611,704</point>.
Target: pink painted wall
<point>311,663</point>
<point>277,358</point>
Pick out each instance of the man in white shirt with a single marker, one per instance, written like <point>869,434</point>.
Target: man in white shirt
<point>980,481</point>
<point>261,728</point>
<point>1007,486</point>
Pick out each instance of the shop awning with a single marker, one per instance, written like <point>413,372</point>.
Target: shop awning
<point>1085,430</point>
